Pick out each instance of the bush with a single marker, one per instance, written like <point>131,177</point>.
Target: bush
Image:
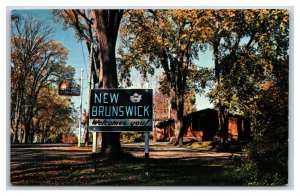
<point>69,139</point>
<point>132,137</point>
<point>265,161</point>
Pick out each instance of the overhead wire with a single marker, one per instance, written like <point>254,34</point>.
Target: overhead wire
<point>83,58</point>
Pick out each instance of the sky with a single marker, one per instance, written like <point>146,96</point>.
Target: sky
<point>79,59</point>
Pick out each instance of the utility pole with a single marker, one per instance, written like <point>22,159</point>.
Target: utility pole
<point>88,96</point>
<point>80,113</point>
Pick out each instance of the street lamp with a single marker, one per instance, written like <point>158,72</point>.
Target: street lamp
<point>80,112</point>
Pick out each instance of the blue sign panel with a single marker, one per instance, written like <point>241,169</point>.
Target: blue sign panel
<point>121,110</point>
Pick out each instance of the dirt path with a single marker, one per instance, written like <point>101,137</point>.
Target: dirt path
<point>39,153</point>
<point>165,150</point>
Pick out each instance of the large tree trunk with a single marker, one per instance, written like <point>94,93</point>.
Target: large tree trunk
<point>18,119</point>
<point>28,121</point>
<point>14,121</point>
<point>16,130</point>
<point>179,120</point>
<point>91,53</point>
<point>223,111</point>
<point>31,138</point>
<point>106,23</point>
<point>223,116</point>
<point>27,133</point>
<point>22,132</point>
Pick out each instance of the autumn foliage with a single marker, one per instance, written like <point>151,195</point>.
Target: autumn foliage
<point>38,63</point>
<point>250,55</point>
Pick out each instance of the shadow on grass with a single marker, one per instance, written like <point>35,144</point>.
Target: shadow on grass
<point>167,172</point>
<point>58,167</point>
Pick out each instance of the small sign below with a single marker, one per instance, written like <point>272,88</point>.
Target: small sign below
<point>68,89</point>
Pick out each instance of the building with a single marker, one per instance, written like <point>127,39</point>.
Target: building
<point>203,126</point>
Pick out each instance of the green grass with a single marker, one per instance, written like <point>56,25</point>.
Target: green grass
<point>204,145</point>
<point>215,146</point>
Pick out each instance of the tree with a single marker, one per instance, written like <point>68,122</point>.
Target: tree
<point>54,116</point>
<point>104,26</point>
<point>82,23</point>
<point>162,109</point>
<point>267,155</point>
<point>240,66</point>
<point>37,62</point>
<point>167,39</point>
<point>251,53</point>
<point>163,105</point>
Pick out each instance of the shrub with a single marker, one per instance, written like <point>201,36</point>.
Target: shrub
<point>132,137</point>
<point>266,160</point>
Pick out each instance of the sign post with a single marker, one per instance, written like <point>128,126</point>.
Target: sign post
<point>121,110</point>
<point>94,149</point>
<point>147,153</point>
<point>146,86</point>
<point>115,110</point>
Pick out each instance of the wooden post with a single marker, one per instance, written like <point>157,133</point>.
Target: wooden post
<point>94,142</point>
<point>146,86</point>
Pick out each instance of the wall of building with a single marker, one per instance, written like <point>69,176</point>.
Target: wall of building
<point>203,126</point>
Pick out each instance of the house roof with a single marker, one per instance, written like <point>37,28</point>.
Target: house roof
<point>164,123</point>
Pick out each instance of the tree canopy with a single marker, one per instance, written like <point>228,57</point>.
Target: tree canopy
<point>167,39</point>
